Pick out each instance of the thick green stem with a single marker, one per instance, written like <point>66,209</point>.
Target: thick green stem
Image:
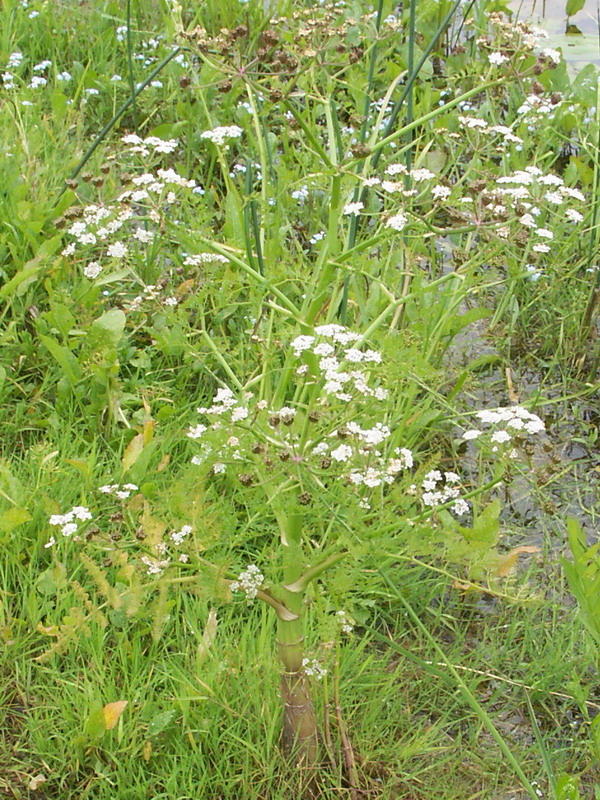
<point>299,722</point>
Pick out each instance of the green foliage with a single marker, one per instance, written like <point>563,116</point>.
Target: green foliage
<point>583,575</point>
<point>102,371</point>
<point>574,7</point>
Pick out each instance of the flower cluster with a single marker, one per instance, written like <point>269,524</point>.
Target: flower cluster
<point>344,621</point>
<point>156,566</point>
<point>249,582</point>
<point>313,668</point>
<point>509,422</point>
<point>330,345</point>
<point>121,491</point>
<point>204,258</point>
<point>113,232</point>
<point>68,522</point>
<point>222,134</point>
<point>151,144</point>
<point>326,442</point>
<point>440,488</point>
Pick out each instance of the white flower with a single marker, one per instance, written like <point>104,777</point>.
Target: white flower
<point>155,567</point>
<point>344,621</point>
<point>249,581</point>
<point>220,135</point>
<point>353,209</point>
<point>143,236</point>
<point>496,59</point>
<point>501,436</point>
<point>178,536</point>
<point>313,668</point>
<point>528,221</point>
<point>460,507</point>
<point>92,270</point>
<point>397,222</point>
<point>441,192</point>
<point>196,432</point>
<point>544,232</point>
<point>573,216</point>
<point>472,434</point>
<point>553,55</point>
<point>117,250</point>
<point>342,453</point>
<point>300,194</point>
<point>396,169</point>
<point>63,76</point>
<point>302,343</point>
<point>421,174</point>
<point>69,529</point>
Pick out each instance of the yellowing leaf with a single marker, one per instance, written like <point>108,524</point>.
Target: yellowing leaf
<point>132,451</point>
<point>51,630</point>
<point>148,431</point>
<point>147,751</point>
<point>36,781</point>
<point>112,712</point>
<point>164,462</point>
<point>208,637</point>
<point>79,464</point>
<point>507,562</point>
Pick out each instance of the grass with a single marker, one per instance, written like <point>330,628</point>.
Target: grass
<point>469,673</point>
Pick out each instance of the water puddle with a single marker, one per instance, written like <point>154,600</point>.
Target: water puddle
<point>577,37</point>
<point>563,476</point>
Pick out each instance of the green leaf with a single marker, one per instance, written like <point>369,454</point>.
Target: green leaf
<point>160,722</point>
<point>583,577</point>
<point>65,358</point>
<point>105,332</point>
<point>566,788</point>
<point>574,6</point>
<point>112,277</point>
<point>67,199</point>
<point>485,526</point>
<point>11,519</point>
<point>61,318</point>
<point>234,220</point>
<point>95,725</point>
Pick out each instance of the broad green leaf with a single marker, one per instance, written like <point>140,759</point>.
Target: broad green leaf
<point>95,725</point>
<point>61,318</point>
<point>160,722</point>
<point>11,519</point>
<point>112,322</point>
<point>234,220</point>
<point>65,358</point>
<point>574,6</point>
